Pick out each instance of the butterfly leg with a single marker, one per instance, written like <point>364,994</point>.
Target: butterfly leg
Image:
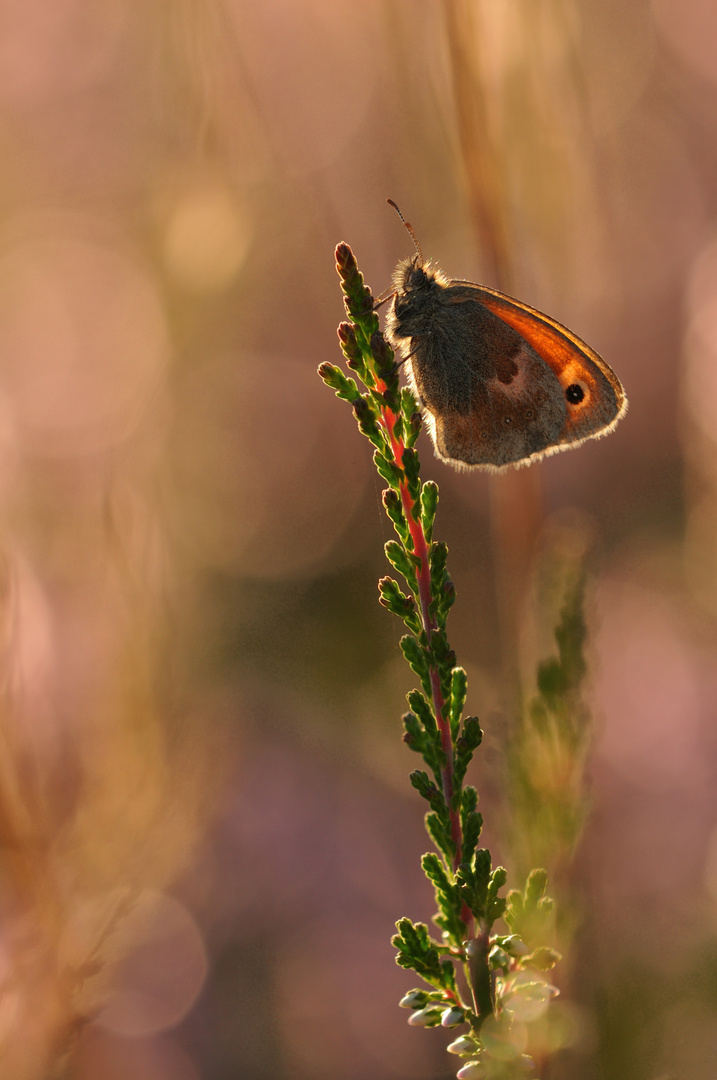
<point>380,300</point>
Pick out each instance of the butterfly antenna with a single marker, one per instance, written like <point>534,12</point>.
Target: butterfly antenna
<point>409,227</point>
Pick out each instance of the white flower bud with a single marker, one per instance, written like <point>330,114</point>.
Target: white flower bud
<point>472,1071</point>
<point>465,1045</point>
<point>414,999</point>
<point>453,1017</point>
<point>515,946</point>
<point>428,1017</point>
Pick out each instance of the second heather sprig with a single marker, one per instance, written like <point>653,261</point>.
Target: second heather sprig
<point>475,977</point>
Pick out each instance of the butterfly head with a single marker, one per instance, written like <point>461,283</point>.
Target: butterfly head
<point>410,276</point>
<point>416,288</point>
<point>414,276</point>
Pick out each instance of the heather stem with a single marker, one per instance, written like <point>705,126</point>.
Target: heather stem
<point>468,899</point>
<point>420,546</point>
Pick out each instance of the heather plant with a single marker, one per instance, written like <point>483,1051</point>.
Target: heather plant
<point>548,744</point>
<point>486,970</point>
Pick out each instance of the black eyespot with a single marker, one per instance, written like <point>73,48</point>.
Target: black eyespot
<point>575,394</point>
<point>507,419</point>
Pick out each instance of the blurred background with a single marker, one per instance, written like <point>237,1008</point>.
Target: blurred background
<point>206,827</point>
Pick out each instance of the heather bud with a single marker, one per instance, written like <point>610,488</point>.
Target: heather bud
<point>452,1018</point>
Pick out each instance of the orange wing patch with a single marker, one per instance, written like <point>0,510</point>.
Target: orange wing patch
<point>576,366</point>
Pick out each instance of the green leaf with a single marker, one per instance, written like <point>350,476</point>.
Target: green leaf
<point>495,905</point>
<point>387,469</point>
<point>411,466</point>
<point>448,898</point>
<point>535,887</point>
<point>444,658</point>
<point>437,556</point>
<point>414,736</point>
<point>416,658</point>
<point>404,563</point>
<point>472,828</point>
<point>543,958</point>
<point>429,504</point>
<point>428,791</point>
<point>358,298</point>
<point>422,709</point>
<point>385,364</point>
<point>466,744</point>
<point>444,601</point>
<point>391,597</point>
<point>474,879</point>
<point>409,405</point>
<point>528,913</point>
<point>352,351</point>
<point>459,689</point>
<point>419,953</point>
<point>468,801</point>
<point>398,428</point>
<point>394,509</point>
<point>335,378</point>
<point>413,428</point>
<point>367,421</point>
<point>570,635</point>
<point>439,829</point>
<point>432,748</point>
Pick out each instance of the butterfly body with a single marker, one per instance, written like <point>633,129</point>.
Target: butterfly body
<point>500,383</point>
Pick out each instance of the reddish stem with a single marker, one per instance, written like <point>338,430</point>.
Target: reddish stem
<point>420,547</point>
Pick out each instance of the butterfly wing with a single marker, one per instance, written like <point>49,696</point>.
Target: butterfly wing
<point>594,397</point>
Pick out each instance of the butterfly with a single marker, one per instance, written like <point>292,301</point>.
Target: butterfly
<point>499,382</point>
